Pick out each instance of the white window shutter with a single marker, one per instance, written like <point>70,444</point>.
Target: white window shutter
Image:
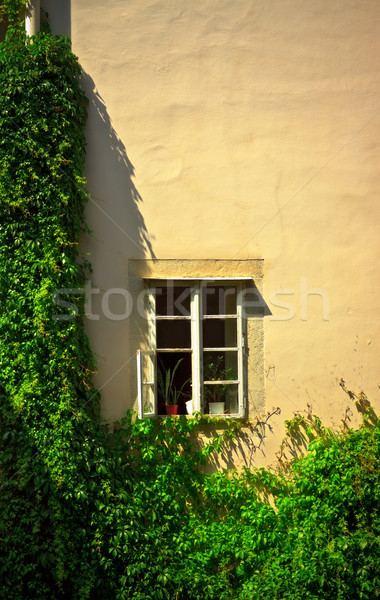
<point>146,384</point>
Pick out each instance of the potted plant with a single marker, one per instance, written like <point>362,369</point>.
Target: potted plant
<point>215,393</point>
<point>170,393</point>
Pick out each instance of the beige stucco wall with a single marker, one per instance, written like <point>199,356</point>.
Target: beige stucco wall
<point>240,130</point>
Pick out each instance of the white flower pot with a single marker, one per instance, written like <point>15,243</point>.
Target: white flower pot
<point>217,408</point>
<point>189,407</point>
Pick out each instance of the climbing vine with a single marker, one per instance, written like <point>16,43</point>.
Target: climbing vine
<point>51,442</point>
<point>13,11</point>
<point>133,514</point>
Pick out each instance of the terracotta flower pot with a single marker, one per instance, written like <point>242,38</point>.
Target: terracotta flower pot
<point>171,409</point>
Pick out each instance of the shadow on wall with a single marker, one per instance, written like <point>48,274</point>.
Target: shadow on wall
<point>58,14</point>
<point>118,233</point>
<point>244,449</point>
<point>114,216</point>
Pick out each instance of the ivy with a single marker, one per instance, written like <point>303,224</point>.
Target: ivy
<point>135,514</point>
<point>13,11</point>
<point>55,468</point>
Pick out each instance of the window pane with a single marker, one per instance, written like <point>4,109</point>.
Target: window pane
<point>220,366</point>
<point>147,386</point>
<point>148,366</point>
<point>219,333</point>
<point>221,399</point>
<point>173,301</point>
<point>148,398</point>
<point>219,299</point>
<point>173,334</point>
<point>173,380</point>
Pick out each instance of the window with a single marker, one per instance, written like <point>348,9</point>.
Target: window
<point>196,354</point>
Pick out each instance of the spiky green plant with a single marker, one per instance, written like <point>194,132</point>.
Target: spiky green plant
<point>167,389</point>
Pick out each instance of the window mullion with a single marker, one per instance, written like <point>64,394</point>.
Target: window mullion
<point>140,385</point>
<point>240,341</point>
<point>196,346</point>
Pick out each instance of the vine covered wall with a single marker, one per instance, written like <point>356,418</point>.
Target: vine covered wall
<point>85,514</point>
<point>48,414</point>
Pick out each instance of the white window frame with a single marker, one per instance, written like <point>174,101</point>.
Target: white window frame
<point>146,378</point>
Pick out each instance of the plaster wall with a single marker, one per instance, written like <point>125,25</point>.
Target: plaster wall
<point>240,130</point>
